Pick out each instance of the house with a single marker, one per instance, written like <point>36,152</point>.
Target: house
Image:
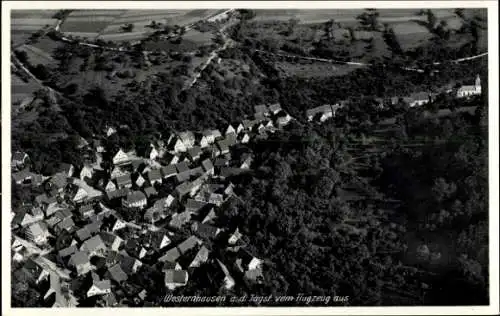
<point>194,153</point>
<point>154,176</point>
<point>418,99</point>
<point>110,131</point>
<point>171,256</point>
<point>205,231</point>
<point>129,264</point>
<point>66,224</point>
<point>228,279</point>
<point>68,251</point>
<point>135,249</point>
<point>246,161</point>
<point>324,112</point>
<point>261,109</point>
<point>209,137</point>
<point>175,278</point>
<point>259,117</point>
<point>216,198</point>
<point>249,265</point>
<point>223,146</point>
<point>23,177</point>
<point>38,233</point>
<point>183,176</point>
<point>80,195</point>
<point>116,273</point>
<point>152,153</point>
<point>110,186</point>
<point>244,138</point>
<point>187,138</point>
<point>117,194</point>
<point>86,172</point>
<point>140,181</point>
<point>150,192</point>
<point>168,171</point>
<point>176,145</point>
<point>111,240</point>
<point>182,167</point>
<point>207,166</point>
<point>99,287</point>
<point>226,172</point>
<point>285,120</point>
<point>117,172</point>
<point>200,258</point>
<point>467,91</point>
<point>230,130</point>
<point>25,217</point>
<point>275,108</point>
<point>156,240</point>
<point>248,124</point>
<point>189,244</point>
<point>164,202</point>
<point>94,246</point>
<point>180,219</point>
<point>135,199</point>
<point>194,206</point>
<point>19,159</point>
<point>235,236</point>
<point>120,158</point>
<point>209,217</point>
<point>124,181</point>
<point>86,211</point>
<point>58,181</point>
<point>81,262</point>
<point>83,234</point>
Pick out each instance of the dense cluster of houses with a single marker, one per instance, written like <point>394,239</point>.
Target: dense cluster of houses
<point>326,111</point>
<point>103,225</point>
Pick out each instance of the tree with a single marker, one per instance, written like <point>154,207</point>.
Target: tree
<point>127,27</point>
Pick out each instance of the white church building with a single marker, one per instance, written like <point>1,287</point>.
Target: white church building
<point>467,91</point>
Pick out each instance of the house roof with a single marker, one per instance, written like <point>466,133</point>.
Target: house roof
<point>168,170</point>
<point>66,223</point>
<point>184,188</point>
<point>117,193</point>
<point>154,174</point>
<point>149,191</point>
<point>179,219</point>
<point>170,256</point>
<point>83,233</point>
<point>223,145</point>
<point>67,251</point>
<point>116,273</point>
<point>319,109</point>
<point>124,179</point>
<point>183,176</point>
<point>63,213</point>
<point>19,155</point>
<point>261,108</point>
<point>219,162</point>
<point>207,164</point>
<point>194,151</point>
<point>189,243</point>
<point>202,255</point>
<point>127,263</point>
<point>93,244</point>
<point>205,230</point>
<point>39,228</point>
<point>108,238</point>
<point>59,180</point>
<point>194,206</point>
<point>420,96</point>
<point>173,276</point>
<point>182,166</point>
<point>135,196</point>
<point>79,258</point>
<point>229,171</point>
<point>103,284</point>
<point>186,136</point>
<point>275,107</point>
<point>21,175</point>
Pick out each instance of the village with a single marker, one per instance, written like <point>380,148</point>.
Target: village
<point>173,229</point>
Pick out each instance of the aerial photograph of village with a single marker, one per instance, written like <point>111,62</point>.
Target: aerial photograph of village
<point>249,157</point>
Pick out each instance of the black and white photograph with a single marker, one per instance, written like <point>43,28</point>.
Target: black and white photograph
<point>250,156</point>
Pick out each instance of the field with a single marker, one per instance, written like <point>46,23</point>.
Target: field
<point>22,91</point>
<point>341,15</point>
<point>313,69</point>
<point>23,23</point>
<point>37,56</point>
<point>107,24</point>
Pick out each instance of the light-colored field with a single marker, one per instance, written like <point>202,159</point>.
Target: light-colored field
<point>198,37</point>
<point>23,23</point>
<point>21,90</point>
<point>27,14</point>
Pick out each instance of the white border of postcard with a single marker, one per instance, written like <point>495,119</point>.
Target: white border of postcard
<point>492,6</point>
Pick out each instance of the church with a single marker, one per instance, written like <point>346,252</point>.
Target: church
<point>466,91</point>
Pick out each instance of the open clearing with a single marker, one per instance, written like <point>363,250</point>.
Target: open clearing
<point>37,56</point>
<point>313,70</point>
<point>22,90</point>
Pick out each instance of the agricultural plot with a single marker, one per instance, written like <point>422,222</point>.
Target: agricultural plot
<point>312,69</point>
<point>37,56</point>
<point>23,23</point>
<point>22,91</point>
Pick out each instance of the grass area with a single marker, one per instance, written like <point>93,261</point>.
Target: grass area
<point>23,23</point>
<point>38,56</point>
<point>22,90</point>
<point>171,45</point>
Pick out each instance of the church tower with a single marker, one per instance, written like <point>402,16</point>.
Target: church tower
<point>478,84</point>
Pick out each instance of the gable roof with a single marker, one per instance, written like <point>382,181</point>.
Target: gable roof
<point>135,196</point>
<point>170,256</point>
<point>93,244</point>
<point>154,174</point>
<point>79,258</point>
<point>67,251</point>
<point>168,171</point>
<point>117,193</point>
<point>189,243</point>
<point>173,276</point>
<point>116,273</point>
<point>182,166</point>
